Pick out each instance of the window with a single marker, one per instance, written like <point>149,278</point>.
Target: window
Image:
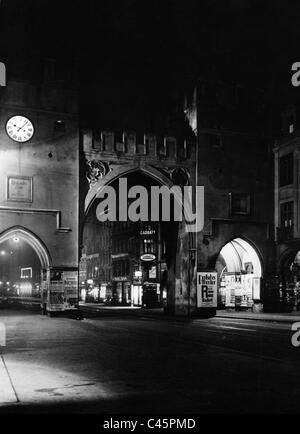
<point>148,245</point>
<point>290,121</point>
<point>240,203</point>
<point>26,273</point>
<point>286,170</point>
<point>287,215</point>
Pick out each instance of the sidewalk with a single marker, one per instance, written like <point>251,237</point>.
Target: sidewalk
<point>7,394</point>
<point>262,316</point>
<point>159,313</point>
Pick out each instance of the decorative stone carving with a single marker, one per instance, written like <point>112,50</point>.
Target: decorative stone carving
<point>180,176</point>
<point>96,170</point>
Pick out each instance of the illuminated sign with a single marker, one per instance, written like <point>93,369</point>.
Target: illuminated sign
<point>148,232</point>
<point>26,273</point>
<point>148,257</point>
<point>152,272</point>
<point>138,274</point>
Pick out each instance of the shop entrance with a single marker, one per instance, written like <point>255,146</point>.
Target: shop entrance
<point>240,272</point>
<point>23,263</point>
<point>289,286</point>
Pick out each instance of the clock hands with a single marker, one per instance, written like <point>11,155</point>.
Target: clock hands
<point>22,126</point>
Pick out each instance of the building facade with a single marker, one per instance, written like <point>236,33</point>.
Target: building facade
<point>39,177</point>
<point>287,218</point>
<point>235,168</point>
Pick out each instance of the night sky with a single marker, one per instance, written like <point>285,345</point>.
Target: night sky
<point>139,56</point>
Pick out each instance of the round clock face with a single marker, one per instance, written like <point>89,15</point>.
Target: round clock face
<point>19,128</point>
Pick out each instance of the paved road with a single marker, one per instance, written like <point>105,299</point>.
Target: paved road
<point>143,365</point>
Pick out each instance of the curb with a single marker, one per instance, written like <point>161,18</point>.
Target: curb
<point>274,319</point>
<point>143,314</point>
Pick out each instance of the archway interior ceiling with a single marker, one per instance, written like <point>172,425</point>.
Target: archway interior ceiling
<point>237,253</point>
<point>144,176</point>
<point>15,254</point>
<point>134,178</point>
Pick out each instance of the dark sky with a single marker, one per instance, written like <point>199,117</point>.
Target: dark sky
<point>142,53</point>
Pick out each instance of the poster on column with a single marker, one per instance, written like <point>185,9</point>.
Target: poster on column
<point>248,283</point>
<point>70,279</point>
<point>230,290</point>
<point>55,301</point>
<point>207,289</point>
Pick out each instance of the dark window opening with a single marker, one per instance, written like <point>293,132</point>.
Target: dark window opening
<point>286,170</point>
<point>240,203</point>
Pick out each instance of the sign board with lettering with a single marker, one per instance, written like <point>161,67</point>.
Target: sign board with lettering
<point>70,279</point>
<point>148,257</point>
<point>55,299</point>
<point>19,189</point>
<point>62,290</point>
<point>207,289</point>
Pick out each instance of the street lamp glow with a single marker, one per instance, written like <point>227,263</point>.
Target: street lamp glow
<point>3,252</point>
<point>16,239</point>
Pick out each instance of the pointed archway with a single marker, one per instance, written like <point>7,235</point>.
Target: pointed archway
<point>240,270</point>
<point>29,237</point>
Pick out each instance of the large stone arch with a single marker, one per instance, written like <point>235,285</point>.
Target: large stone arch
<point>29,237</point>
<point>179,272</point>
<point>123,170</point>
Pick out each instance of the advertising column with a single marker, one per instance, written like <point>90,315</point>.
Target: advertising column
<point>207,290</point>
<point>63,290</point>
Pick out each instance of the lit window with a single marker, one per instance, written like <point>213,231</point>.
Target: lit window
<point>287,215</point>
<point>26,273</point>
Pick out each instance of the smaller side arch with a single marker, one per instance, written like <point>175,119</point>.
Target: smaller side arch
<point>240,244</point>
<point>287,256</point>
<point>34,241</point>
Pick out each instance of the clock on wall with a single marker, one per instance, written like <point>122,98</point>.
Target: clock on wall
<point>19,128</point>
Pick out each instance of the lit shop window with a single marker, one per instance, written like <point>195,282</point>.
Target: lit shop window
<point>286,170</point>
<point>240,203</point>
<point>287,215</point>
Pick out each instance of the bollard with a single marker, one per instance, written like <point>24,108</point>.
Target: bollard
<point>2,335</point>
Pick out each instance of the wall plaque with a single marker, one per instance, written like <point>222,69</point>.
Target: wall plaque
<point>19,189</point>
